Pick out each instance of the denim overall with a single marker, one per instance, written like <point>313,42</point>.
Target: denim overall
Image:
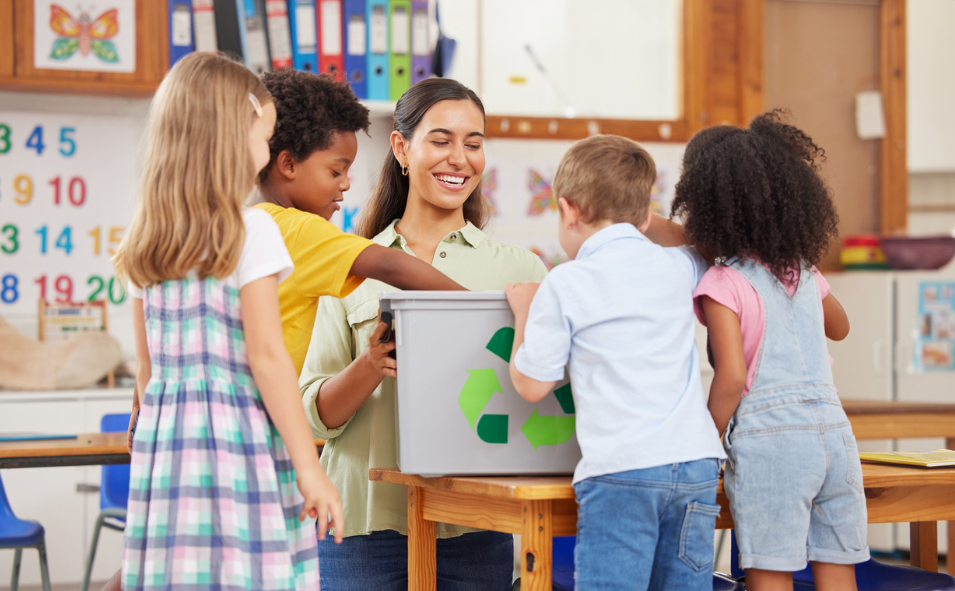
<point>793,476</point>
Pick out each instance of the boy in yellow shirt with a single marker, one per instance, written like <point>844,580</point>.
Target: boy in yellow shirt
<point>312,148</point>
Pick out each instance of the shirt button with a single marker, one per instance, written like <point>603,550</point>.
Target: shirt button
<point>454,236</point>
<point>443,254</point>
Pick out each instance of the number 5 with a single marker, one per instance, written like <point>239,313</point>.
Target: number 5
<point>115,237</point>
<point>65,139</point>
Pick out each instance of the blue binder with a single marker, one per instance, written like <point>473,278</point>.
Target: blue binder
<point>377,63</point>
<point>301,20</point>
<point>181,39</point>
<point>356,46</point>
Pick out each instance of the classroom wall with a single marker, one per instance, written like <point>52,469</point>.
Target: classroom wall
<point>931,117</point>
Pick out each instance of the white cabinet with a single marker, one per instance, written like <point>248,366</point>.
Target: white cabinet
<point>49,495</point>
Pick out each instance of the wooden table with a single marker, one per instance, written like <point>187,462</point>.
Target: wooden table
<point>904,420</point>
<point>901,420</point>
<point>88,449</point>
<point>539,508</point>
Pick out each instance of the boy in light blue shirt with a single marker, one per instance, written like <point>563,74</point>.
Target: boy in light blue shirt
<point>621,314</point>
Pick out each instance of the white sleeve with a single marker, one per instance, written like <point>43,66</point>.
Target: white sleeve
<point>546,348</point>
<point>134,290</point>
<point>695,262</point>
<point>264,251</point>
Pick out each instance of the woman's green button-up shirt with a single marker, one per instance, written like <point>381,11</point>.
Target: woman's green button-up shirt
<point>342,330</point>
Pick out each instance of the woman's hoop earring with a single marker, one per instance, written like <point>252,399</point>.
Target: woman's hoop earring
<point>404,170</point>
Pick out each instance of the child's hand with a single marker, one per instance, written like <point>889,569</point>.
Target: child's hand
<point>520,296</point>
<point>378,352</point>
<point>321,502</point>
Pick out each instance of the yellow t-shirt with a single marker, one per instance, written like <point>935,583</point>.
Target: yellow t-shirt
<point>323,255</point>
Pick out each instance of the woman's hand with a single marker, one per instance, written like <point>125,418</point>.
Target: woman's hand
<point>378,352</point>
<point>322,502</point>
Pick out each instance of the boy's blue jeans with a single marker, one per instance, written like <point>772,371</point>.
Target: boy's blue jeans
<point>648,529</point>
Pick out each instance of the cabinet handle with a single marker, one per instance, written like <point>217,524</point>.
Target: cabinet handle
<point>87,489</point>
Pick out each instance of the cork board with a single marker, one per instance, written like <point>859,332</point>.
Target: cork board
<point>818,55</point>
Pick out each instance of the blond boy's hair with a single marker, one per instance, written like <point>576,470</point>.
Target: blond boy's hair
<point>197,173</point>
<point>608,177</point>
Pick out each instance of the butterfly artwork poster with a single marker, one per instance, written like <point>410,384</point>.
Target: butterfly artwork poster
<point>91,35</point>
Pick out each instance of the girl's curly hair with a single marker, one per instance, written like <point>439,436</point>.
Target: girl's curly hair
<point>756,192</point>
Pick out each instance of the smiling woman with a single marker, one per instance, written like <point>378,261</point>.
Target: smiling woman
<point>427,203</point>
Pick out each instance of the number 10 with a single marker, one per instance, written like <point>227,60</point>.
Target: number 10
<point>77,191</point>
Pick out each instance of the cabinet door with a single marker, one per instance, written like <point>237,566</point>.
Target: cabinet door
<point>47,495</point>
<point>862,363</point>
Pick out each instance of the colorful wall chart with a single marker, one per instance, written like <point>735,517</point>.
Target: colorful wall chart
<point>935,338</point>
<point>67,191</point>
<point>96,36</point>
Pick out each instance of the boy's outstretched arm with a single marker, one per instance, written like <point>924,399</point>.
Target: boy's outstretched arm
<point>400,270</point>
<point>520,296</point>
<point>726,341</point>
<point>665,232</point>
<point>834,318</point>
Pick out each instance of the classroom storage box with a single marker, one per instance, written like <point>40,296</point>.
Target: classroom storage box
<point>457,411</point>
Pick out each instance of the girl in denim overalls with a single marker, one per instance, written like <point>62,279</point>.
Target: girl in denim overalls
<point>753,203</point>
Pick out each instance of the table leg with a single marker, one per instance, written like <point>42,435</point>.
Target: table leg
<point>422,550</point>
<point>923,539</point>
<point>537,546</point>
<point>950,444</point>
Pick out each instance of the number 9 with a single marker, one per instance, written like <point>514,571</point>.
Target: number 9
<point>23,185</point>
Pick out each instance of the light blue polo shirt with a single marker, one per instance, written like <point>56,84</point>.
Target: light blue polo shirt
<point>621,314</point>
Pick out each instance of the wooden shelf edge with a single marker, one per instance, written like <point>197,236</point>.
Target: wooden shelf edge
<point>119,89</point>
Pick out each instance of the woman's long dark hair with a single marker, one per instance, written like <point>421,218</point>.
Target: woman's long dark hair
<point>390,196</point>
<point>756,193</point>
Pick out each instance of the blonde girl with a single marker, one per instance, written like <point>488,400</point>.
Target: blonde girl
<point>222,440</point>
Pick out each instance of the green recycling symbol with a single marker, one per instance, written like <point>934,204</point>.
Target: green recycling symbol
<point>491,428</point>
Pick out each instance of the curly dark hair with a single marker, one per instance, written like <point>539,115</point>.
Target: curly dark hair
<point>756,192</point>
<point>312,109</point>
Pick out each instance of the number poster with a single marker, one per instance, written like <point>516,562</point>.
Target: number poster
<point>97,36</point>
<point>67,191</point>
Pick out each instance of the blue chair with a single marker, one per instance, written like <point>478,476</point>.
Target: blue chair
<point>18,534</point>
<point>871,575</point>
<point>113,494</point>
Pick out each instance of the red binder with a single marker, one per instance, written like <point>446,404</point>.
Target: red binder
<point>331,54</point>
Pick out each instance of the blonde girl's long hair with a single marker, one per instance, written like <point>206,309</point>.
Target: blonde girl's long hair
<point>197,174</point>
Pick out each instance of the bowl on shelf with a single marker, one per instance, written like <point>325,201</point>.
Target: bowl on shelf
<point>930,252</point>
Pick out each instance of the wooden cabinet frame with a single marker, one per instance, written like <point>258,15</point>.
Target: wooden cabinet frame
<point>16,56</point>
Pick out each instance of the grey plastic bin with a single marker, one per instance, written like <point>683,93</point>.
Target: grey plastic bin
<point>458,412</point>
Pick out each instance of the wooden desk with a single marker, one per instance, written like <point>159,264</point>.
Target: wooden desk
<point>539,508</point>
<point>904,420</point>
<point>88,449</point>
<point>901,420</point>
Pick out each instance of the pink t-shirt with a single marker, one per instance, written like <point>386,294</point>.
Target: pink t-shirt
<point>729,288</point>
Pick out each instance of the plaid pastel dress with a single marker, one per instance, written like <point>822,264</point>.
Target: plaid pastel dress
<point>213,502</point>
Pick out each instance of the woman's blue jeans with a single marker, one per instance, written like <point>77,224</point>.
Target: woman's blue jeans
<point>480,561</point>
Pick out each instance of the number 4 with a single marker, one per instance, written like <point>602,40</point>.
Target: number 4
<point>65,241</point>
<point>35,141</point>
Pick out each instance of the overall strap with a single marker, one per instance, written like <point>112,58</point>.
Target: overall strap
<point>793,350</point>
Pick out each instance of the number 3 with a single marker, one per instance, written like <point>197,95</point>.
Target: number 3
<point>11,231</point>
<point>4,138</point>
